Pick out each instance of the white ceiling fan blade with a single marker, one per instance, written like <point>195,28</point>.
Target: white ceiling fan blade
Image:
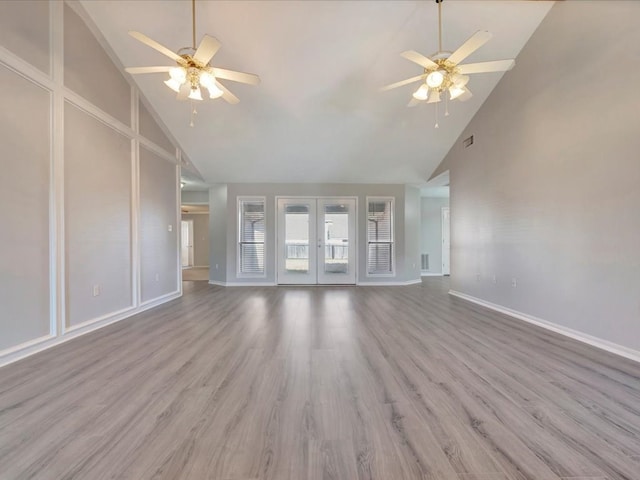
<point>227,95</point>
<point>413,102</point>
<point>184,92</point>
<point>208,47</point>
<point>155,45</point>
<point>477,40</point>
<point>137,70</point>
<point>403,82</point>
<point>487,67</point>
<point>420,59</point>
<point>234,76</point>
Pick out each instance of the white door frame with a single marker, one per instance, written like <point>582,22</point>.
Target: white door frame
<point>190,253</point>
<point>353,250</point>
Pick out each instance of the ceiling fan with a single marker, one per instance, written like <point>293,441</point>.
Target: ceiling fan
<point>193,71</point>
<point>443,74</point>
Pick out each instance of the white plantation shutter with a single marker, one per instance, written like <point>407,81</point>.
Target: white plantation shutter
<point>380,254</point>
<point>251,237</point>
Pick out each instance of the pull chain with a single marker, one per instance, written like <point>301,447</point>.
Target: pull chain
<point>437,126</point>
<point>194,112</point>
<point>446,105</point>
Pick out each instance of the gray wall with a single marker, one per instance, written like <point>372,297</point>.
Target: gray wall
<point>24,211</point>
<point>218,233</point>
<point>75,209</point>
<point>200,238</point>
<point>97,174</point>
<point>411,257</point>
<point>197,197</point>
<point>223,214</point>
<point>159,229</point>
<point>549,192</point>
<point>431,231</point>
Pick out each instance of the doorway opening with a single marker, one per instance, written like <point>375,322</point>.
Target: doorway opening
<point>187,243</point>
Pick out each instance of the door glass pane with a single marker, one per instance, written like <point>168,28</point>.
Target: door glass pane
<point>296,233</point>
<point>336,238</point>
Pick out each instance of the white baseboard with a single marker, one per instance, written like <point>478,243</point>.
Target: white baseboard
<point>271,284</point>
<point>567,332</point>
<point>389,284</point>
<point>242,284</point>
<point>430,274</point>
<point>31,347</point>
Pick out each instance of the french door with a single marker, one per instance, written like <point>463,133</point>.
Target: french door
<point>316,241</point>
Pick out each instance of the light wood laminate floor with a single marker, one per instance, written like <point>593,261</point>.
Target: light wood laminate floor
<point>285,383</point>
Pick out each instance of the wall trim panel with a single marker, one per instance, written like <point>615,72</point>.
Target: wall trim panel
<point>27,349</point>
<point>53,82</point>
<point>567,332</point>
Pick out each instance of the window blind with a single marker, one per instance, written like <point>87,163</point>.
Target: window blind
<point>251,237</point>
<point>380,236</point>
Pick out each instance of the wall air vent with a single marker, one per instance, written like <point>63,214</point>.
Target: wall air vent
<point>424,261</point>
<point>467,142</point>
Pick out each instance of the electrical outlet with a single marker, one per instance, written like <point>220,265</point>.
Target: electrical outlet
<point>495,279</point>
<point>96,290</point>
<point>170,228</point>
<point>514,282</point>
<point>157,277</point>
<point>477,277</point>
<point>216,266</point>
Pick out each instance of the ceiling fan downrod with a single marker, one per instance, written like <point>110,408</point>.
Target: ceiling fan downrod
<point>193,22</point>
<point>439,2</point>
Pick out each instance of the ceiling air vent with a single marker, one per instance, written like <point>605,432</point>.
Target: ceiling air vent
<point>467,142</point>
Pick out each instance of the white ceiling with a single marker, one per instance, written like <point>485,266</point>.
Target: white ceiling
<point>318,115</point>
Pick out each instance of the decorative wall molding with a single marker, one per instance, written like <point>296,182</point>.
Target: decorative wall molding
<point>31,347</point>
<point>431,274</point>
<point>59,331</point>
<point>567,332</point>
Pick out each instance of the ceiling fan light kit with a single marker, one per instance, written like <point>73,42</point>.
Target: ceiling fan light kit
<point>443,76</point>
<point>193,71</point>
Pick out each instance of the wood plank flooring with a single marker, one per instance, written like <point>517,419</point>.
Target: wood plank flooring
<point>351,383</point>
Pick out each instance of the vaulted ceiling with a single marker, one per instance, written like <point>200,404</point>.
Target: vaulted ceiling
<point>318,115</point>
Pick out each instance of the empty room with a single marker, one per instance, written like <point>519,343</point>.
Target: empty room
<point>321,240</point>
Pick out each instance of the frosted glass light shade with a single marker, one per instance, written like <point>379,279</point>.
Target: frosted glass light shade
<point>214,91</point>
<point>178,73</point>
<point>207,80</point>
<point>456,91</point>
<point>422,93</point>
<point>195,94</point>
<point>435,79</point>
<point>173,84</point>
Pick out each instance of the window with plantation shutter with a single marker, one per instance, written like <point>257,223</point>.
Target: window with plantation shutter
<point>251,234</point>
<point>380,250</point>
